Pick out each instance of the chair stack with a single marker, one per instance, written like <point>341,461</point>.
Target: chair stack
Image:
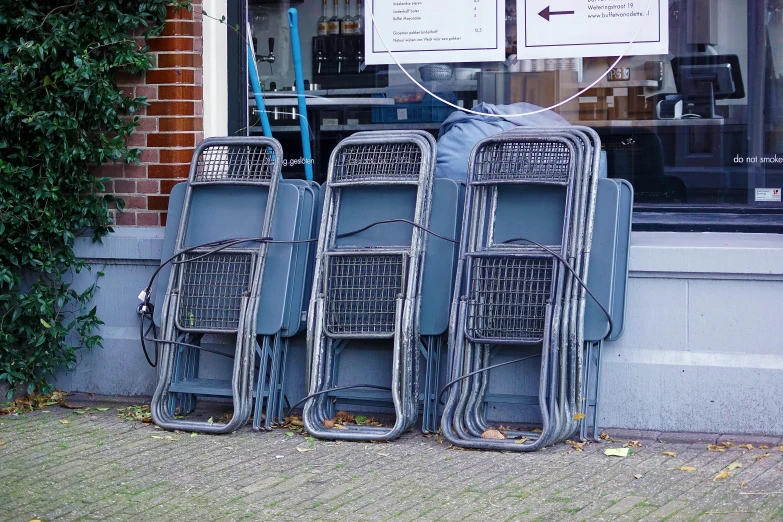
<point>529,208</point>
<point>367,284</point>
<point>252,292</point>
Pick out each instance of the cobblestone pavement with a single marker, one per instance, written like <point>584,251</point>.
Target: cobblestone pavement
<point>58,465</point>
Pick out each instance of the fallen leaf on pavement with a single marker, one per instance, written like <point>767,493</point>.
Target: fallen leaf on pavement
<point>633,444</point>
<point>637,476</point>
<point>522,440</point>
<point>340,427</point>
<point>733,466</point>
<point>617,452</point>
<point>384,454</point>
<point>2,443</point>
<point>492,434</point>
<point>727,444</point>
<point>748,447</point>
<point>329,423</point>
<point>211,420</point>
<point>63,421</point>
<point>721,476</point>
<point>763,447</point>
<point>343,416</point>
<point>670,453</point>
<point>578,446</point>
<point>193,435</point>
<point>101,409</point>
<point>762,456</point>
<point>536,430</point>
<point>293,421</point>
<point>579,416</point>
<point>304,450</point>
<point>716,448</point>
<point>686,468</point>
<point>157,437</point>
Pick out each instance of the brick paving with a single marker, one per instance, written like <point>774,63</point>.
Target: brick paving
<point>97,466</point>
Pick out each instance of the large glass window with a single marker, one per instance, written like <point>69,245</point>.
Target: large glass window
<point>698,131</point>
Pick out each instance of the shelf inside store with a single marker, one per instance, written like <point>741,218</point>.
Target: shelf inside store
<point>606,84</point>
<point>324,102</point>
<point>257,130</point>
<point>275,128</point>
<point>684,122</point>
<point>381,126</point>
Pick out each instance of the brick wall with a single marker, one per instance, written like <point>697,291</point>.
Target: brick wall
<point>170,127</point>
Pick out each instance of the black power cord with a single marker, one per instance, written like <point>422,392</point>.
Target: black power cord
<point>573,272</point>
<point>337,388</point>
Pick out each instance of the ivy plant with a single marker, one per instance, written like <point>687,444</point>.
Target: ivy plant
<point>61,115</point>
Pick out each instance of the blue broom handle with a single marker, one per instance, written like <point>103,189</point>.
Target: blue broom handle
<point>293,22</point>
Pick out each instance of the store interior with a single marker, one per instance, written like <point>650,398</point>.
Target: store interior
<point>674,125</point>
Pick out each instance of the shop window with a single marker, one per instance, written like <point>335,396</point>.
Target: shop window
<point>697,131</point>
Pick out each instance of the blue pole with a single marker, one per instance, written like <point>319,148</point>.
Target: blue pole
<point>252,71</point>
<point>293,22</point>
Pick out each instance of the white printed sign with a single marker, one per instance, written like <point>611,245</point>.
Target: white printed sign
<point>583,28</point>
<point>768,194</point>
<point>434,31</point>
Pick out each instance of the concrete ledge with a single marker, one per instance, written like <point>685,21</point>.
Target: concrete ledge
<point>719,254</point>
<point>126,244</point>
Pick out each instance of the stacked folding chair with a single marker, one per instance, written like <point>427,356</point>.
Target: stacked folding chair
<point>367,282</point>
<point>529,209</point>
<point>251,292</point>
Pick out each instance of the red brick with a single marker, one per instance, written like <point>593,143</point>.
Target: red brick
<point>171,108</point>
<point>109,170</point>
<point>149,156</point>
<point>170,76</point>
<point>137,139</point>
<point>166,185</point>
<point>181,28</point>
<point>178,14</point>
<point>147,219</point>
<point>147,186</point>
<point>166,61</point>
<point>180,92</point>
<point>158,202</point>
<point>180,124</point>
<point>147,124</point>
<point>163,218</point>
<point>125,186</point>
<point>170,140</point>
<point>135,202</point>
<point>176,155</point>
<point>126,218</point>
<point>169,171</point>
<point>168,44</point>
<point>135,171</point>
<point>150,91</point>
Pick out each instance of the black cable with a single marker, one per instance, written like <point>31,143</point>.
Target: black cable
<point>471,374</point>
<point>197,347</point>
<point>143,336</point>
<point>338,388</point>
<point>416,225</point>
<point>573,272</point>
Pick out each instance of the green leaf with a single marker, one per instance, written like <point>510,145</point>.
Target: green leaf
<point>45,324</point>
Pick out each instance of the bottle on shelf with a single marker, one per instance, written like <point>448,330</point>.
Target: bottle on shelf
<point>334,21</point>
<point>323,22</point>
<point>346,22</point>
<point>358,20</point>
